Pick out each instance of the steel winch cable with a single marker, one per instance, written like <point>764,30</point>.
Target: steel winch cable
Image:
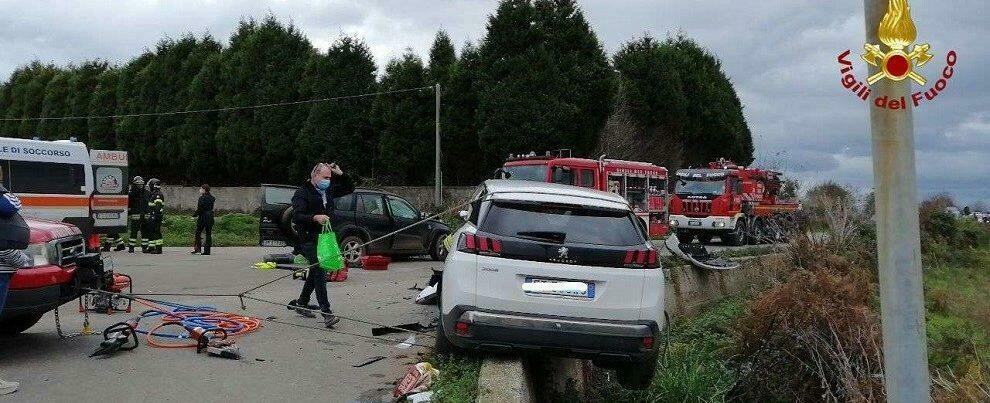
<point>363,336</point>
<point>362,321</point>
<point>447,211</point>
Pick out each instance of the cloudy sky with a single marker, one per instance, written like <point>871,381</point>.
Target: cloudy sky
<point>780,54</point>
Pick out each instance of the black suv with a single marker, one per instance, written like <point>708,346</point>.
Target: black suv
<point>358,217</point>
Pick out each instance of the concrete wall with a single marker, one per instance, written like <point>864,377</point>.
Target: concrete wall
<point>248,199</point>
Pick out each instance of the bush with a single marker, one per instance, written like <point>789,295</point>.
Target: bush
<point>811,338</point>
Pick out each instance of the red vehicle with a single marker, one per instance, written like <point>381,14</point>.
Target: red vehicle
<point>643,184</point>
<point>737,204</point>
<point>64,264</point>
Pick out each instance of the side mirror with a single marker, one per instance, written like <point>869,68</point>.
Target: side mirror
<point>464,214</point>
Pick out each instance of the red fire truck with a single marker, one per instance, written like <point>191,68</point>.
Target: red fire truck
<point>643,184</point>
<point>735,203</point>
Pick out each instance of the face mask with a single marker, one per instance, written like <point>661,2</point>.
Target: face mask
<point>323,184</point>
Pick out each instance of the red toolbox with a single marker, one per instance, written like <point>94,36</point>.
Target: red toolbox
<point>375,262</point>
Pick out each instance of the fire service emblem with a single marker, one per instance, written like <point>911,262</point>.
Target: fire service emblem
<point>900,61</point>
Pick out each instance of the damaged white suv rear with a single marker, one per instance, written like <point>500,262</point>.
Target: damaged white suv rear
<point>554,269</point>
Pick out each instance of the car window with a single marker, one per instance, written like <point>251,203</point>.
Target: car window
<point>278,195</point>
<point>371,204</point>
<point>401,209</point>
<point>563,175</point>
<point>344,203</point>
<point>46,178</point>
<point>563,223</point>
<point>587,178</point>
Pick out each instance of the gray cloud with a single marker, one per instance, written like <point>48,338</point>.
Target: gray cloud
<point>781,56</point>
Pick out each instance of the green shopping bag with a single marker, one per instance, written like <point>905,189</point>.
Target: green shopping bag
<point>328,251</point>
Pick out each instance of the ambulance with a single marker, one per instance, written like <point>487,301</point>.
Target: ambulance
<point>64,181</point>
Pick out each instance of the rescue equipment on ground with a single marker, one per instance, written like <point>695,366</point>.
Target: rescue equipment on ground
<point>698,255</point>
<point>298,264</point>
<point>375,262</point>
<point>118,337</point>
<point>328,250</point>
<point>108,303</point>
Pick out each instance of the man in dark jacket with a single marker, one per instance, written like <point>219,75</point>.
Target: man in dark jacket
<point>312,208</point>
<point>204,220</point>
<point>136,205</point>
<point>14,237</point>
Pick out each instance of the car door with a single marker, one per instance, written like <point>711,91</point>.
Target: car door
<point>373,218</point>
<point>403,215</point>
<point>343,212</point>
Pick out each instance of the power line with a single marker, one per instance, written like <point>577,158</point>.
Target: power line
<point>227,109</point>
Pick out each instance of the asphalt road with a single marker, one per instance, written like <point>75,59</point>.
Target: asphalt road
<point>280,362</point>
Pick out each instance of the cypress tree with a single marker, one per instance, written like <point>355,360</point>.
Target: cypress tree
<point>405,121</point>
<point>100,132</point>
<point>264,64</point>
<point>545,82</point>
<point>339,131</point>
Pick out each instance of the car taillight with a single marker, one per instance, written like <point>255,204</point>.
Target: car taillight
<point>461,329</point>
<point>648,343</point>
<point>472,243</point>
<point>645,258</point>
<point>93,242</point>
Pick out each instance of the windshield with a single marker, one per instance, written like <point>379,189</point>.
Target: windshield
<point>535,173</point>
<point>563,224</point>
<point>700,186</point>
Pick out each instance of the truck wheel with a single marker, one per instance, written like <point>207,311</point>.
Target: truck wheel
<point>638,375</point>
<point>705,239</point>
<point>760,232</point>
<point>738,235</point>
<point>16,325</point>
<point>684,237</point>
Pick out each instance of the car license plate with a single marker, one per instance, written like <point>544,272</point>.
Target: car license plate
<point>108,216</point>
<point>271,242</point>
<point>564,288</point>
<point>694,223</point>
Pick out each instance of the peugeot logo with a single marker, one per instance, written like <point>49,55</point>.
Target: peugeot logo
<point>562,252</point>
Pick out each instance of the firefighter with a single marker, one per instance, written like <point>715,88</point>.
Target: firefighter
<point>154,215</point>
<point>137,204</point>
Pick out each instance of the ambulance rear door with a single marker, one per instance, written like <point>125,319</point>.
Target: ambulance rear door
<point>109,200</point>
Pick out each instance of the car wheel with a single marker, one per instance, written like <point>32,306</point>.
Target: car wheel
<point>16,325</point>
<point>638,375</point>
<point>738,235</point>
<point>288,228</point>
<point>352,248</point>
<point>438,250</point>
<point>704,239</point>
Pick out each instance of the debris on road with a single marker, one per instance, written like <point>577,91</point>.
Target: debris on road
<point>418,379</point>
<point>421,397</point>
<point>369,361</point>
<point>698,255</point>
<point>407,343</point>
<point>412,327</point>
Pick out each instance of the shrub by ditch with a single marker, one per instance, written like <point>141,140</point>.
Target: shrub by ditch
<point>811,338</point>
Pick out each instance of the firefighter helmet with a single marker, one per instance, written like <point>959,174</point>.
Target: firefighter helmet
<point>138,180</point>
<point>154,184</point>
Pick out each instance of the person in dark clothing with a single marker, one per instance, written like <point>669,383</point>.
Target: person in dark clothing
<point>204,220</point>
<point>154,216</point>
<point>312,208</point>
<point>137,204</point>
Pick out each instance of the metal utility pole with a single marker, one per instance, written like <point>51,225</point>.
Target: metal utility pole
<point>437,198</point>
<point>902,307</point>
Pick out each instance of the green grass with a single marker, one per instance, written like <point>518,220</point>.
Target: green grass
<point>695,367</point>
<point>458,381</point>
<point>233,229</point>
<point>957,294</point>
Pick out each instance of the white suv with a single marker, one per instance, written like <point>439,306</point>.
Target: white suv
<point>554,269</point>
